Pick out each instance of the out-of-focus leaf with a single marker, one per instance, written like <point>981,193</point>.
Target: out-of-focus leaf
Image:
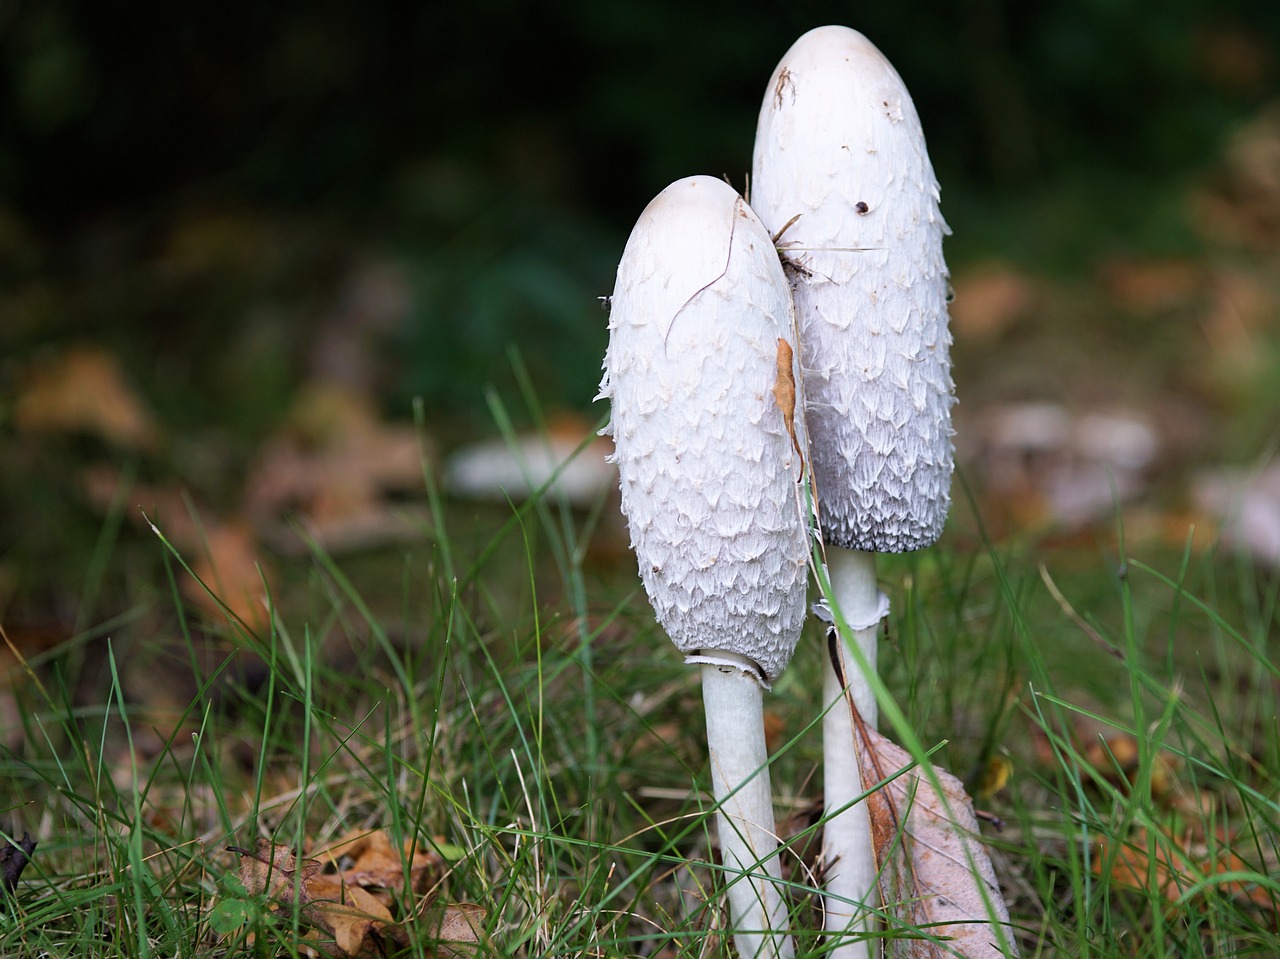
<point>84,390</point>
<point>1153,285</point>
<point>989,299</point>
<point>1172,866</point>
<point>330,468</point>
<point>230,565</point>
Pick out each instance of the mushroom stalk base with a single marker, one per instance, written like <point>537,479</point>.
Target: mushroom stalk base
<point>744,819</point>
<point>847,850</point>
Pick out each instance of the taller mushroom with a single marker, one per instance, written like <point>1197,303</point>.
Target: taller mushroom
<point>699,362</point>
<point>842,179</point>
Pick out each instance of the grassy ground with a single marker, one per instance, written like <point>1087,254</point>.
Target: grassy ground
<point>510,707</point>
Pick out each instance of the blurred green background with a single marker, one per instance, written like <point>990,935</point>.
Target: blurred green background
<point>233,201</point>
<point>502,149</point>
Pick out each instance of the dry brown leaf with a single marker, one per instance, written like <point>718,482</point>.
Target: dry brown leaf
<point>784,394</point>
<point>377,865</point>
<point>84,390</point>
<point>935,874</point>
<point>358,921</point>
<point>270,869</point>
<point>459,931</point>
<point>230,565</point>
<point>331,466</point>
<point>1169,866</point>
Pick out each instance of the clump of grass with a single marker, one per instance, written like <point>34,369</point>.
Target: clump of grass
<point>535,731</point>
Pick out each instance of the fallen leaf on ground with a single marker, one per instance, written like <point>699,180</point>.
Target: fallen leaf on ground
<point>272,870</point>
<point>84,390</point>
<point>375,863</point>
<point>459,933</point>
<point>330,468</point>
<point>935,874</point>
<point>349,919</point>
<point>1170,867</point>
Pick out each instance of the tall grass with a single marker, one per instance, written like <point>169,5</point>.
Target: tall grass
<point>514,709</point>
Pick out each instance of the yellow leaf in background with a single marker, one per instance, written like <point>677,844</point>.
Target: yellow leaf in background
<point>84,390</point>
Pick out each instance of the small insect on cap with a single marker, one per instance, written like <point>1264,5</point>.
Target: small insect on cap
<point>708,458</point>
<point>842,174</point>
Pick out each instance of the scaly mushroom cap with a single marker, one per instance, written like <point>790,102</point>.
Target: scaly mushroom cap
<point>839,147</point>
<point>708,470</point>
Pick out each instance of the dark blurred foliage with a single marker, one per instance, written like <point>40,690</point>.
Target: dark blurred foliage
<point>504,147</point>
<point>596,103</point>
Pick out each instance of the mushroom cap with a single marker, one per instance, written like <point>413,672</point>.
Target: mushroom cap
<point>839,147</point>
<point>708,472</point>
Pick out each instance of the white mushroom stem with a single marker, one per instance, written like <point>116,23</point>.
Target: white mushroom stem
<point>849,862</point>
<point>744,813</point>
<point>700,374</point>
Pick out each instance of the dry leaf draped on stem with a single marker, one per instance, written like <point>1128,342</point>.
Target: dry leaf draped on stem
<point>935,874</point>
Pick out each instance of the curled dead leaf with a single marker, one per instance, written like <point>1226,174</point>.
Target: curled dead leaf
<point>375,863</point>
<point>348,920</point>
<point>272,870</point>
<point>935,874</point>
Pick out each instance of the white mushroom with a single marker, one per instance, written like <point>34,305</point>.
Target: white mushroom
<point>842,178</point>
<point>709,474</point>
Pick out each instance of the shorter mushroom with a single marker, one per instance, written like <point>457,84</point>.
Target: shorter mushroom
<point>709,471</point>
